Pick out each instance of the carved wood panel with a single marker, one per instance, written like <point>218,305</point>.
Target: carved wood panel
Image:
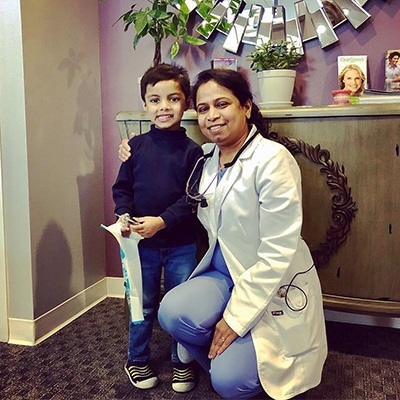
<point>343,206</point>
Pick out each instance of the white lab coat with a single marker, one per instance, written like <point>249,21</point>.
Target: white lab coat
<point>255,213</point>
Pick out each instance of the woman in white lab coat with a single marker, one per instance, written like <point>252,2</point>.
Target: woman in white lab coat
<point>251,313</point>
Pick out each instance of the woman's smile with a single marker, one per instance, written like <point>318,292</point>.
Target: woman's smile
<point>215,128</point>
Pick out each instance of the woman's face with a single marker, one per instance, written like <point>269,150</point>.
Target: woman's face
<point>221,117</point>
<point>352,80</point>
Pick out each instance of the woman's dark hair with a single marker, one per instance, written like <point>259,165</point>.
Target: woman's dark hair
<point>238,85</point>
<point>165,72</point>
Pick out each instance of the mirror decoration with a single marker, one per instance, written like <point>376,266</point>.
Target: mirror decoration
<point>257,21</point>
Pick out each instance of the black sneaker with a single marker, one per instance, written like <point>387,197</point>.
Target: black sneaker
<point>141,375</point>
<point>183,378</point>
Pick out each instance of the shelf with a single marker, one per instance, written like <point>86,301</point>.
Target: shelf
<point>352,110</point>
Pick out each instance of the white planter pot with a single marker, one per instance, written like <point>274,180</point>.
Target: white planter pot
<point>276,87</point>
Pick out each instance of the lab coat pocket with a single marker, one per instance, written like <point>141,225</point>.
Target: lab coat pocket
<point>292,317</point>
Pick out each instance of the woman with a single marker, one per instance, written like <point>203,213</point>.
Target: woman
<point>251,313</point>
<point>352,78</point>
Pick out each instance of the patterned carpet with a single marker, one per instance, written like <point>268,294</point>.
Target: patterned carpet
<point>85,361</point>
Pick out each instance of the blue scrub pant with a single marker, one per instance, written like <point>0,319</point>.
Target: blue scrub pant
<point>189,313</point>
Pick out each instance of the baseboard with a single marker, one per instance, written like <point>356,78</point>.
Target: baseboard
<point>32,332</point>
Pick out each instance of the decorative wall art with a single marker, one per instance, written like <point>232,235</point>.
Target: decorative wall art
<point>257,21</point>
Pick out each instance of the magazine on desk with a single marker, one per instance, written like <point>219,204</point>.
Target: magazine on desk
<point>374,96</point>
<point>355,63</point>
<point>392,71</point>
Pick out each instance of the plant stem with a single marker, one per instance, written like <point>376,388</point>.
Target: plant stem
<point>157,53</point>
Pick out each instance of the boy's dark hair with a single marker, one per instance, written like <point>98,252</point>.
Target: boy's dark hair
<point>165,72</point>
<point>239,86</point>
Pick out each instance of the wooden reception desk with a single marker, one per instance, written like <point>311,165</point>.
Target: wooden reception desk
<point>350,162</point>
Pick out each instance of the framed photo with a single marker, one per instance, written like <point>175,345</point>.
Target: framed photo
<point>392,71</point>
<point>225,63</point>
<point>352,74</point>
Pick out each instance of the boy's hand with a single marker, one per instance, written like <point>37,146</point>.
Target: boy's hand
<point>148,226</point>
<point>124,150</point>
<point>125,225</point>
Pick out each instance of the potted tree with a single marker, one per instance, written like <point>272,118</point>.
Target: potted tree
<point>275,64</point>
<point>163,18</point>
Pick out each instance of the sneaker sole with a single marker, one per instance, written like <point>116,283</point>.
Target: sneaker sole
<point>183,387</point>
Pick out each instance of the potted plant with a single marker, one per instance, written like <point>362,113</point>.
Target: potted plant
<point>163,18</point>
<point>275,64</point>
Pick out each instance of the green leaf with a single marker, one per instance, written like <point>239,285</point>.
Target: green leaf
<point>140,23</point>
<point>193,40</point>
<point>158,15</point>
<point>127,17</point>
<point>180,5</point>
<point>173,30</point>
<point>183,19</point>
<point>160,5</point>
<point>135,41</point>
<point>127,25</point>
<point>174,50</point>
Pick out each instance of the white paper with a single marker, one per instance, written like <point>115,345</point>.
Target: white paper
<point>131,270</point>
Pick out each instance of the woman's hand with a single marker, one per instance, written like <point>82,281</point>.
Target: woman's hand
<point>224,335</point>
<point>124,150</point>
<point>148,226</point>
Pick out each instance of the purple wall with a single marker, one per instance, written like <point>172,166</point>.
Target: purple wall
<point>121,66</point>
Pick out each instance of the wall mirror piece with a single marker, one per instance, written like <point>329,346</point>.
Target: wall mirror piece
<point>304,19</point>
<point>235,34</point>
<point>212,19</point>
<point>253,24</point>
<point>225,24</point>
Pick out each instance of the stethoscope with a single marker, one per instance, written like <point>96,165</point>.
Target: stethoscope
<point>192,190</point>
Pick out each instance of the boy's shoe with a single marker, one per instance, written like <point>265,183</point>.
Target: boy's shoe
<point>141,375</point>
<point>183,378</point>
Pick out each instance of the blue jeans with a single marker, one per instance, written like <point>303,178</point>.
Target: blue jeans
<point>179,263</point>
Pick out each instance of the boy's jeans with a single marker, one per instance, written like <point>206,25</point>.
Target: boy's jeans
<point>179,263</point>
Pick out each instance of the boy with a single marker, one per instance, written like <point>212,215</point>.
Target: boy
<point>150,188</point>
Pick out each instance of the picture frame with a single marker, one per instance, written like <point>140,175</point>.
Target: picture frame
<point>392,70</point>
<point>355,65</point>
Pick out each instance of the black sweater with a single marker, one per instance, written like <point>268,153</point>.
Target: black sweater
<point>152,183</point>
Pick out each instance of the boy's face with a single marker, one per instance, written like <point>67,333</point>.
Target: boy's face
<point>165,104</point>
